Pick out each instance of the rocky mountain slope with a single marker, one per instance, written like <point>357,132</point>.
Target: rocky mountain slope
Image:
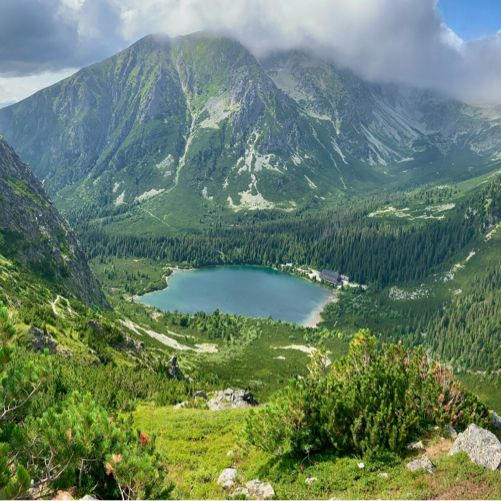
<point>34,234</point>
<point>199,120</point>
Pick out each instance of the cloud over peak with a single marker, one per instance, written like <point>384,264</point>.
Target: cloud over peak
<point>404,41</point>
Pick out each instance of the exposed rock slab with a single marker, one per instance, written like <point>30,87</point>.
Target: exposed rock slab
<point>231,399</point>
<point>482,446</point>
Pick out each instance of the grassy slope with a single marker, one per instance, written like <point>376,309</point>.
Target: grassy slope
<point>199,443</point>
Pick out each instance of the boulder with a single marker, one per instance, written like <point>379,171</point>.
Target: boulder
<point>416,446</point>
<point>174,370</point>
<point>42,341</point>
<point>422,463</point>
<point>260,490</point>
<point>482,446</point>
<point>200,394</point>
<point>495,421</point>
<point>310,480</point>
<point>227,478</point>
<point>130,343</point>
<point>231,399</point>
<point>449,431</point>
<point>240,492</point>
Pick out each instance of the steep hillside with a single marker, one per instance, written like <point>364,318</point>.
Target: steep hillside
<point>34,234</point>
<point>171,126</point>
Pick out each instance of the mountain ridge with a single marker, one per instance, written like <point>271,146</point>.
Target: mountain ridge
<point>198,118</point>
<point>34,234</point>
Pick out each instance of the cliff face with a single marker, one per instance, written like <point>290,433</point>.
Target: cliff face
<point>34,234</point>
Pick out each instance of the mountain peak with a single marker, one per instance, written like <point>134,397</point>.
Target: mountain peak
<point>199,118</point>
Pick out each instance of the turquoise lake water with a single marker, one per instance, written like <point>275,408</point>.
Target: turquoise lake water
<point>243,290</point>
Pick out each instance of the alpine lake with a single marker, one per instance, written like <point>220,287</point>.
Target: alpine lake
<point>250,291</point>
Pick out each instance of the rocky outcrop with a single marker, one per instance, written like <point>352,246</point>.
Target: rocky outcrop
<point>482,446</point>
<point>175,371</point>
<point>231,399</point>
<point>422,463</point>
<point>41,341</point>
<point>33,233</point>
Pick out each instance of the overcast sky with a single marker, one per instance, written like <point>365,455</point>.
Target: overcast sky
<point>408,41</point>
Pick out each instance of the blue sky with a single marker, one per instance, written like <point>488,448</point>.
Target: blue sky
<point>472,19</point>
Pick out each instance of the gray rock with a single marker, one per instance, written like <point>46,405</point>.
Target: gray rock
<point>423,463</point>
<point>130,343</point>
<point>227,478</point>
<point>231,399</point>
<point>240,492</point>
<point>200,394</point>
<point>310,480</point>
<point>88,497</point>
<point>174,370</point>
<point>482,446</point>
<point>417,446</point>
<point>260,490</point>
<point>182,405</point>
<point>495,421</point>
<point>449,431</point>
<point>42,341</point>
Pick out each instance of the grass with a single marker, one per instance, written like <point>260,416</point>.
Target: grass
<point>199,444</point>
<point>487,387</point>
<point>124,276</point>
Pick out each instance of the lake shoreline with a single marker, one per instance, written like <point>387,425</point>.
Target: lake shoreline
<point>300,315</point>
<point>316,315</point>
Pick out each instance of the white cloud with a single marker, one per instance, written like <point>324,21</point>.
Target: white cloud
<point>389,40</point>
<point>16,88</point>
<point>400,41</point>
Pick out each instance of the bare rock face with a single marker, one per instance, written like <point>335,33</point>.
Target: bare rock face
<point>482,447</point>
<point>34,234</point>
<point>231,399</point>
<point>422,463</point>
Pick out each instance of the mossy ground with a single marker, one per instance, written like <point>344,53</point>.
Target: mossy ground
<point>199,444</point>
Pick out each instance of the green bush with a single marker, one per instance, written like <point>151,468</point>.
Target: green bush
<point>77,444</point>
<point>375,399</point>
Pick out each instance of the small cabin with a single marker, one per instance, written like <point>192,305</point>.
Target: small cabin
<point>333,277</point>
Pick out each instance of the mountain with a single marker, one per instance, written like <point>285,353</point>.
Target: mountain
<point>168,127</point>
<point>33,234</point>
